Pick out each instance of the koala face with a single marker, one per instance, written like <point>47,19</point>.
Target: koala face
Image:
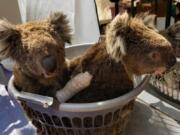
<point>140,48</point>
<point>43,54</point>
<point>147,51</point>
<point>37,47</point>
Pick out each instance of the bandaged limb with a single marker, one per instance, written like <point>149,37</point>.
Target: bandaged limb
<point>75,85</point>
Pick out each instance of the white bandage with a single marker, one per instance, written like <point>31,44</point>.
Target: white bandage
<point>75,85</point>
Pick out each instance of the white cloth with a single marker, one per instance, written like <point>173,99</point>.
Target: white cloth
<point>12,118</point>
<point>86,22</point>
<point>40,9</point>
<point>81,13</point>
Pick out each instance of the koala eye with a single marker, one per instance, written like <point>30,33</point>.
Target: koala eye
<point>155,55</point>
<point>49,63</point>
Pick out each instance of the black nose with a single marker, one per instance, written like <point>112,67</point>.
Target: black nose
<point>171,61</point>
<point>49,63</point>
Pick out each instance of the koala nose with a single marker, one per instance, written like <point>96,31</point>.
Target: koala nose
<point>171,61</point>
<point>49,63</point>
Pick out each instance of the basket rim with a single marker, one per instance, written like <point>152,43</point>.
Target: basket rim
<point>95,106</point>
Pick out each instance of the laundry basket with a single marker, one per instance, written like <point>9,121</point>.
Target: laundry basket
<point>108,117</point>
<point>168,85</point>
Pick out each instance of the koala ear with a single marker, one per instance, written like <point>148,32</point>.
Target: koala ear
<point>148,20</point>
<point>115,45</point>
<point>60,24</point>
<point>174,31</point>
<point>9,37</point>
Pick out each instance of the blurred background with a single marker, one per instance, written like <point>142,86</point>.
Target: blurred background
<point>9,9</point>
<point>166,11</point>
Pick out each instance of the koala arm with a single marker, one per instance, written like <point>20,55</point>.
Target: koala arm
<point>75,85</point>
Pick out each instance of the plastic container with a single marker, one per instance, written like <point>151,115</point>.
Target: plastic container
<point>108,117</point>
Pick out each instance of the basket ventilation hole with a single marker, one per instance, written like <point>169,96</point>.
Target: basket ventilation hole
<point>40,116</point>
<point>98,122</point>
<point>56,121</point>
<point>88,122</point>
<point>66,121</point>
<point>77,123</point>
<point>48,119</point>
<point>108,118</point>
<point>116,115</point>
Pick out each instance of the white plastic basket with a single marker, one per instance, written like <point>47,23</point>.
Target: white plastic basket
<point>108,117</point>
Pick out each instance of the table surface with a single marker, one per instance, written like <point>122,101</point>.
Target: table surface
<point>146,120</point>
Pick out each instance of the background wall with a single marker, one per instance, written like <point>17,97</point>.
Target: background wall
<point>9,10</point>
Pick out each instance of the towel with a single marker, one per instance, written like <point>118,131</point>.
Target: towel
<point>12,118</point>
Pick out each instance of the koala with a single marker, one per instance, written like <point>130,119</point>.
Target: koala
<point>130,48</point>
<point>38,50</point>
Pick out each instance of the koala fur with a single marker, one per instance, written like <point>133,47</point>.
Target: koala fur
<point>130,48</point>
<point>38,51</point>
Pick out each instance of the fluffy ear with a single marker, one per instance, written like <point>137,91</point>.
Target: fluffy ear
<point>174,31</point>
<point>114,42</point>
<point>148,19</point>
<point>9,37</point>
<point>60,24</point>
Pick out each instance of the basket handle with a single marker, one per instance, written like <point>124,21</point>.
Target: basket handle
<point>45,101</point>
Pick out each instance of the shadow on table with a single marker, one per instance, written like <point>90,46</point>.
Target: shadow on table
<point>147,121</point>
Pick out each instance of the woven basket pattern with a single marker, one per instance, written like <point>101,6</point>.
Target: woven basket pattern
<point>109,122</point>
